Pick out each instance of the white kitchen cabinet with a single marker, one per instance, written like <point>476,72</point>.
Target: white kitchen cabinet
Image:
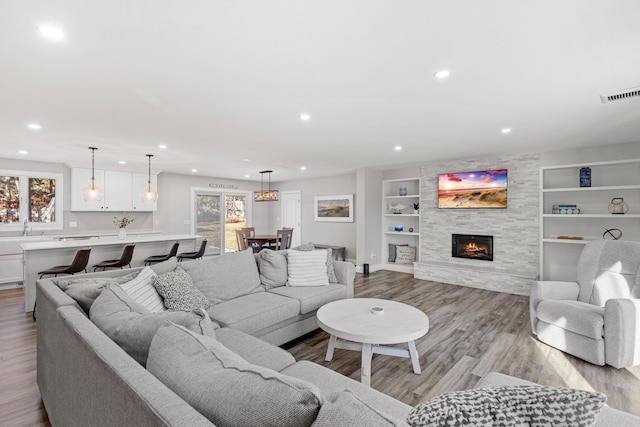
<point>10,268</point>
<point>121,191</point>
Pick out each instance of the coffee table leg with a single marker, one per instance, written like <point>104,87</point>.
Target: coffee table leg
<point>332,346</point>
<point>413,352</point>
<point>365,370</point>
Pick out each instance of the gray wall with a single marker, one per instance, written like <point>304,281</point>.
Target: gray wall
<point>330,233</point>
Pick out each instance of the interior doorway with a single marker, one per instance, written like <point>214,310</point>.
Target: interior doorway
<point>291,214</point>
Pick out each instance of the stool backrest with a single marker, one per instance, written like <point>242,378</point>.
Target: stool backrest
<point>80,261</point>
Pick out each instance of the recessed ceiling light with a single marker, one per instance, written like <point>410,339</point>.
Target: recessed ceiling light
<point>34,126</point>
<point>246,160</point>
<point>442,74</point>
<point>194,170</point>
<point>305,116</point>
<point>397,148</point>
<point>506,130</point>
<point>122,162</point>
<point>247,176</point>
<point>303,168</point>
<point>51,32</point>
<point>162,146</point>
<point>23,152</point>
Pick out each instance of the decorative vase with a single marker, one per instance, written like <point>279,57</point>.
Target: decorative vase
<point>585,177</point>
<point>122,234</point>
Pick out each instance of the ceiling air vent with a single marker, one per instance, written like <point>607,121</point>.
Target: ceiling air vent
<point>620,95</point>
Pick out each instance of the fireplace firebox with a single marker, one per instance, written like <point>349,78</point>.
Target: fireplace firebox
<point>472,246</point>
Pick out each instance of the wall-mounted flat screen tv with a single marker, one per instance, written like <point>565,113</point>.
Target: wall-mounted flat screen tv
<point>473,190</point>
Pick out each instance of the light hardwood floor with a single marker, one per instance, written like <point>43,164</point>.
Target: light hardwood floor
<point>472,332</point>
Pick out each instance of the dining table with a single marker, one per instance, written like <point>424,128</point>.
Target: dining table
<point>261,240</point>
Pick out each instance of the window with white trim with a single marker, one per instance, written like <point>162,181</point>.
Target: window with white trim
<point>30,199</point>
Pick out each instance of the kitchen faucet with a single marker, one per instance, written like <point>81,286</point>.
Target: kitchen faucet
<point>25,231</point>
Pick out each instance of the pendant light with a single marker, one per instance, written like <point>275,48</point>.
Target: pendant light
<point>268,195</point>
<point>149,195</point>
<point>92,193</point>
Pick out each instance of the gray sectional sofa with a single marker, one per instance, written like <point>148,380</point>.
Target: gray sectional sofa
<point>219,365</point>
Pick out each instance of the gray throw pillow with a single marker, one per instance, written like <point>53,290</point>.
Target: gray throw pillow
<point>273,268</point>
<point>179,292</point>
<point>224,387</point>
<point>165,266</point>
<point>85,291</point>
<point>510,406</point>
<point>132,326</point>
<point>345,408</point>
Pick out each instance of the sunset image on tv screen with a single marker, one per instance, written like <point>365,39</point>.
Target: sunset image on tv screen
<point>473,190</point>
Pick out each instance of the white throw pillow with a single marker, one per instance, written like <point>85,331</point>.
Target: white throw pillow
<point>142,291</point>
<point>307,268</point>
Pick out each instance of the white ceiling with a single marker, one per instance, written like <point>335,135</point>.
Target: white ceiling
<point>223,81</point>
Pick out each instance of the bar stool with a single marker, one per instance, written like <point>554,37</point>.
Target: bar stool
<point>194,255</point>
<point>78,264</point>
<point>125,259</point>
<point>159,258</point>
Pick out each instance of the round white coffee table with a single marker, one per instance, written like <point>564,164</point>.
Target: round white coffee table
<point>353,320</point>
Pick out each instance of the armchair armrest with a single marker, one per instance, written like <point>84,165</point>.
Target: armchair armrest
<point>346,274</point>
<point>622,332</point>
<point>555,290</point>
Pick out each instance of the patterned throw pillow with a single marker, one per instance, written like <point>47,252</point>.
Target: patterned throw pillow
<point>307,268</point>
<point>510,406</point>
<point>405,254</point>
<point>179,292</point>
<point>142,291</point>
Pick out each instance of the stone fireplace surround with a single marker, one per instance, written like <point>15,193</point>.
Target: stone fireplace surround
<point>515,229</point>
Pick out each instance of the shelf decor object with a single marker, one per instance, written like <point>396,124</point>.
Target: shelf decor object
<point>91,193</point>
<point>618,206</point>
<point>585,177</point>
<point>149,195</point>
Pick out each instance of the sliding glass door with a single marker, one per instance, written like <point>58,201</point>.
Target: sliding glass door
<point>217,215</point>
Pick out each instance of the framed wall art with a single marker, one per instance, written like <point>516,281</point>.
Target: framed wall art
<point>333,208</point>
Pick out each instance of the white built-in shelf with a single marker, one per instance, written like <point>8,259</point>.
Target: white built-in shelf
<point>401,214</point>
<point>403,233</point>
<point>602,188</point>
<point>576,216</point>
<point>408,196</point>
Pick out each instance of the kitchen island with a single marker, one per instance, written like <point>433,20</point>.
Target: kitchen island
<point>39,256</point>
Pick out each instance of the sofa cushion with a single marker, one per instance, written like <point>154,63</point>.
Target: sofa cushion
<point>329,381</point>
<point>225,388</point>
<point>510,406</point>
<point>142,291</point>
<point>85,291</point>
<point>225,277</point>
<point>273,268</point>
<point>575,316</point>
<point>254,312</point>
<point>254,350</point>
<point>179,292</point>
<point>132,326</point>
<point>345,408</point>
<point>312,297</point>
<point>307,268</point>
<point>165,266</point>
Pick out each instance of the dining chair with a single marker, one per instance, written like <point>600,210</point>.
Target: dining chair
<point>241,240</point>
<point>283,239</point>
<point>159,258</point>
<point>125,259</point>
<point>194,255</point>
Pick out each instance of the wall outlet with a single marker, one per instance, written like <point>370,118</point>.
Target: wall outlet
<point>373,256</point>
<point>73,224</point>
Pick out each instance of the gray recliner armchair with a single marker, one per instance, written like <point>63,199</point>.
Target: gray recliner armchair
<point>596,318</point>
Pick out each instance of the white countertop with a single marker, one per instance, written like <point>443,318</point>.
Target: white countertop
<point>103,241</point>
